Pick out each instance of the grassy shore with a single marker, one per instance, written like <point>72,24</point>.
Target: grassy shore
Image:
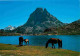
<point>14,50</point>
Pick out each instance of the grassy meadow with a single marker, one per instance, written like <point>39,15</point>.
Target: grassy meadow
<point>15,50</point>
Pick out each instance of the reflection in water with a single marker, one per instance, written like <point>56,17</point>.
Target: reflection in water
<point>70,42</point>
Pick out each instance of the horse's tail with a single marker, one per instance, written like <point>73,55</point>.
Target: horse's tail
<point>60,43</point>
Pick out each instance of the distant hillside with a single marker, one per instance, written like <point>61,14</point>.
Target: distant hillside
<point>38,21</point>
<point>8,33</point>
<point>70,29</point>
<point>78,21</point>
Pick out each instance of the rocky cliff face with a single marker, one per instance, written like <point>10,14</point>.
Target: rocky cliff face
<point>38,21</point>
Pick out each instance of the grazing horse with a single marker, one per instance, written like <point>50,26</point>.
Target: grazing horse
<point>26,40</point>
<point>21,41</point>
<point>54,41</point>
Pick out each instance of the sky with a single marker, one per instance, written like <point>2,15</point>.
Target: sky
<point>17,12</point>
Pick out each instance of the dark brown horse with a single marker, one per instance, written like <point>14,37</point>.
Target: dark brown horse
<point>21,41</point>
<point>54,41</point>
<point>26,40</point>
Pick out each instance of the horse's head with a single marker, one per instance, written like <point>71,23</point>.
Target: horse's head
<point>60,43</point>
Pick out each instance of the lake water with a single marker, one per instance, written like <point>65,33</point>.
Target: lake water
<point>69,42</point>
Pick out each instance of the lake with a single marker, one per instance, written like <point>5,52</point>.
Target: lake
<point>69,42</point>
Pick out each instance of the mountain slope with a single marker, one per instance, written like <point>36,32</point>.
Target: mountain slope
<point>38,21</point>
<point>71,29</point>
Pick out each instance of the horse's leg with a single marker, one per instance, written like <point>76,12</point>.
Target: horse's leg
<point>58,45</point>
<point>52,45</point>
<point>22,43</point>
<point>28,42</point>
<point>19,42</point>
<point>25,43</point>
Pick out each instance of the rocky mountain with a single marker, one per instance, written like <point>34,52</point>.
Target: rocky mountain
<point>69,29</point>
<point>38,21</point>
<point>9,28</point>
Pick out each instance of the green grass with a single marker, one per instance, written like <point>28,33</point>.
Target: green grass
<point>14,50</point>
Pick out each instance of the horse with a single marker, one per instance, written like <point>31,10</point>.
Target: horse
<point>26,40</point>
<point>21,41</point>
<point>54,41</point>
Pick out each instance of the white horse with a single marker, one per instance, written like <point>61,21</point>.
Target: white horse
<point>26,40</point>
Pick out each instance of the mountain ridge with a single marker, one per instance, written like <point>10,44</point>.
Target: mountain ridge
<point>69,29</point>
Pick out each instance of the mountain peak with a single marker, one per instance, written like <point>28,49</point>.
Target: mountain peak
<point>9,28</point>
<point>39,9</point>
<point>45,9</point>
